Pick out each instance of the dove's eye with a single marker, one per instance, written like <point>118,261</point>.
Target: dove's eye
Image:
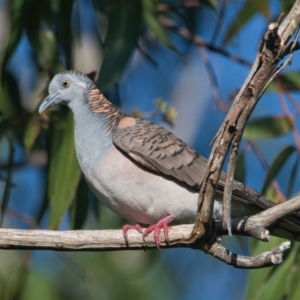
<point>65,84</point>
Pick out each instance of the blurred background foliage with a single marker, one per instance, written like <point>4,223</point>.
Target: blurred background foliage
<point>179,63</point>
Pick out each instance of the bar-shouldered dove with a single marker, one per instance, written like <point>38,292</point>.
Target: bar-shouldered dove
<point>140,170</point>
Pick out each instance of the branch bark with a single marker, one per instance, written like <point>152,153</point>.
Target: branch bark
<point>271,50</point>
<point>202,235</point>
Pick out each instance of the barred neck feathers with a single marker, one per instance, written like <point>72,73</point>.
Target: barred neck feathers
<point>99,105</point>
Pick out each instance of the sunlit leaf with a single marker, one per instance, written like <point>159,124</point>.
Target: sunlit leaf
<point>268,127</point>
<point>32,131</point>
<point>244,15</point>
<point>277,165</point>
<point>64,172</point>
<point>124,22</point>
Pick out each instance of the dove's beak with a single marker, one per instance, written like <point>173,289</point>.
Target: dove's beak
<point>48,102</point>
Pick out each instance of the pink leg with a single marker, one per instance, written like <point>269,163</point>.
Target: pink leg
<point>128,227</point>
<point>162,224</point>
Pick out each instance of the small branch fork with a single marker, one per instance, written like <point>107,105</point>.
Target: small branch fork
<point>204,234</point>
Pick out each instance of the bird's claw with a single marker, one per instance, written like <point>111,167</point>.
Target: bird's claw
<point>162,224</point>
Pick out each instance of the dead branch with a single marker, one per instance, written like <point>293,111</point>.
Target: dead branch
<point>273,48</point>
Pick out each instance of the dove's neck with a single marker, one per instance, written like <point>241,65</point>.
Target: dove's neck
<point>93,135</point>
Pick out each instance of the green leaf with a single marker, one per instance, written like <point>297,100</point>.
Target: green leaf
<point>277,165</point>
<point>151,18</point>
<point>18,9</point>
<point>124,22</point>
<point>258,278</point>
<point>45,47</point>
<point>287,5</point>
<point>38,285</point>
<point>211,3</point>
<point>275,286</point>
<point>288,82</point>
<point>8,181</point>
<point>247,12</point>
<point>64,29</point>
<point>81,205</point>
<point>32,131</point>
<point>293,178</point>
<point>10,99</point>
<point>268,127</point>
<point>295,275</point>
<point>240,169</point>
<point>64,172</point>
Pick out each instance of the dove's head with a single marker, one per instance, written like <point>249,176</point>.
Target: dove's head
<point>67,88</point>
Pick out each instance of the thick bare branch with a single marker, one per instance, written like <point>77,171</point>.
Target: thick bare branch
<point>88,240</point>
<point>271,50</point>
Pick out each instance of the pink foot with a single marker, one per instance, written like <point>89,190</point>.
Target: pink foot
<point>162,224</point>
<point>128,227</point>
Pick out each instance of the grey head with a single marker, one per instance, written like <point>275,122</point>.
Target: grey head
<point>67,88</point>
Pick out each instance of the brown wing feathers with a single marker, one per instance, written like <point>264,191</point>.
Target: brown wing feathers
<point>160,148</point>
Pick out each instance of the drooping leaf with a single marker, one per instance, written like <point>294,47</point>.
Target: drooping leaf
<point>276,285</point>
<point>242,17</point>
<point>277,165</point>
<point>64,29</point>
<point>45,46</point>
<point>64,172</point>
<point>268,127</point>
<point>211,3</point>
<point>293,178</point>
<point>258,278</point>
<point>10,98</point>
<point>124,22</point>
<point>32,131</point>
<point>151,18</point>
<point>240,169</point>
<point>18,10</point>
<point>8,181</point>
<point>295,275</point>
<point>81,205</point>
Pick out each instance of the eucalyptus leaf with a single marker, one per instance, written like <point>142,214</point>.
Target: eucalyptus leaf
<point>249,9</point>
<point>81,205</point>
<point>268,127</point>
<point>32,131</point>
<point>151,18</point>
<point>277,165</point>
<point>124,23</point>
<point>64,172</point>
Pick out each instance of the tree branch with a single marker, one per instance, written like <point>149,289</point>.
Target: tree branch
<point>271,50</point>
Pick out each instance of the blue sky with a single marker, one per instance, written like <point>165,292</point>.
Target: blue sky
<point>184,83</point>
